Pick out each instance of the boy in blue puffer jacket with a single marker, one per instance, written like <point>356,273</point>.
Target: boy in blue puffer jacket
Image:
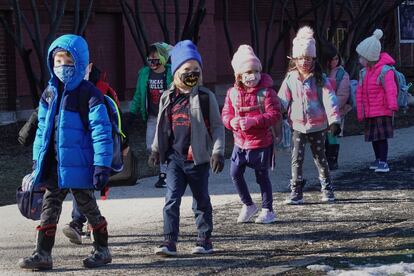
<point>66,156</point>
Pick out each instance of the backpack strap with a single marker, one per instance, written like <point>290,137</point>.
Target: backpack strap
<point>339,76</point>
<point>384,70</point>
<point>362,74</point>
<point>260,99</point>
<point>204,99</point>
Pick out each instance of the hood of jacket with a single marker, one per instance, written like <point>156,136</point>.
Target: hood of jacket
<point>78,48</point>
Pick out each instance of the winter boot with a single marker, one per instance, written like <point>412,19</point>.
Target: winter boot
<point>41,259</point>
<point>100,254</point>
<point>327,190</point>
<point>332,151</point>
<point>296,194</point>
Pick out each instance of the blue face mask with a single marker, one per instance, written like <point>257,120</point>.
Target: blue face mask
<point>64,72</point>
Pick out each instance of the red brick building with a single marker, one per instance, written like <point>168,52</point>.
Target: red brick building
<point>112,47</point>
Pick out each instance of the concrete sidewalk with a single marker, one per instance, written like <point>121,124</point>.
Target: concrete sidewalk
<point>135,217</point>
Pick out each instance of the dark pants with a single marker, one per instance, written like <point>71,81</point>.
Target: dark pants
<point>259,160</point>
<point>77,216</point>
<point>180,173</point>
<point>317,145</point>
<point>54,197</point>
<point>381,149</point>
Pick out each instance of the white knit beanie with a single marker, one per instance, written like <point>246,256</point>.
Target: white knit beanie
<point>370,48</point>
<point>304,44</point>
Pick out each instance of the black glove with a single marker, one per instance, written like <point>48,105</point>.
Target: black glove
<point>154,159</point>
<point>217,163</point>
<point>101,177</point>
<point>335,129</point>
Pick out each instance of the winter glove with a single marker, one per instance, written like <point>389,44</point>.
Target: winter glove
<point>235,123</point>
<point>101,177</point>
<point>247,122</point>
<point>217,163</point>
<point>154,159</point>
<point>335,129</point>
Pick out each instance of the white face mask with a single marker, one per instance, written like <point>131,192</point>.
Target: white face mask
<point>363,61</point>
<point>251,79</point>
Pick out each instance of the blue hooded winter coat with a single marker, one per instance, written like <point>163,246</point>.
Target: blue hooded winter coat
<point>78,150</point>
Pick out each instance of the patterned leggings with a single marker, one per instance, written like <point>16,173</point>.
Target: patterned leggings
<point>317,144</point>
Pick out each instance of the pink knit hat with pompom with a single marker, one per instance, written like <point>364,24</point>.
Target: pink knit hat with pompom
<point>304,44</point>
<point>244,60</point>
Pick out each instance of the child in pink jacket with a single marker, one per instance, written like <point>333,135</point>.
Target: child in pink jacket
<point>376,103</point>
<point>312,106</point>
<point>339,78</point>
<point>250,121</point>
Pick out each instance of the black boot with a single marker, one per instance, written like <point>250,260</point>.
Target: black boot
<point>327,190</point>
<point>331,152</point>
<point>296,194</point>
<point>41,259</point>
<point>100,254</point>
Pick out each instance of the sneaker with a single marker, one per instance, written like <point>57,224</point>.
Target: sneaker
<point>166,249</point>
<point>73,231</point>
<point>328,196</point>
<point>39,260</point>
<point>247,213</point>
<point>203,246</point>
<point>296,194</point>
<point>265,217</point>
<point>161,181</point>
<point>374,165</point>
<point>100,257</point>
<point>382,167</point>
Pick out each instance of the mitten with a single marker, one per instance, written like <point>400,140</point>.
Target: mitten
<point>247,122</point>
<point>154,159</point>
<point>234,123</point>
<point>101,177</point>
<point>335,129</point>
<point>217,163</point>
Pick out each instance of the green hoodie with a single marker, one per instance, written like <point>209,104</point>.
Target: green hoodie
<point>139,102</point>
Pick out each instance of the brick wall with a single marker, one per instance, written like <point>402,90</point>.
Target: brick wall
<point>3,71</point>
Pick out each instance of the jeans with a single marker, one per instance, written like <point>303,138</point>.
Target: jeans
<point>180,173</point>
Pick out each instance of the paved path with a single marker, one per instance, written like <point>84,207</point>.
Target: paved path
<point>135,221</point>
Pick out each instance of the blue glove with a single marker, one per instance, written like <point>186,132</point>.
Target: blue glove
<point>101,177</point>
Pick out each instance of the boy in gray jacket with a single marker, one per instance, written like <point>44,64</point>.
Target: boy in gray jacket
<point>190,138</point>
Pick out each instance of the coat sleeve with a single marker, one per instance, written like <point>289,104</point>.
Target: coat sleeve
<point>330,102</point>
<point>101,130</point>
<point>343,91</point>
<point>358,98</point>
<point>228,113</point>
<point>391,93</point>
<point>154,145</point>
<point>41,126</point>
<point>285,96</point>
<point>271,113</point>
<point>137,99</point>
<point>216,126</point>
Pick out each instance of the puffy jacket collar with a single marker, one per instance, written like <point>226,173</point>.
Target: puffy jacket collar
<point>385,59</point>
<point>266,81</point>
<point>78,48</point>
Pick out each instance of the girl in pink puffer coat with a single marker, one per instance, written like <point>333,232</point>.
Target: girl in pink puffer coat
<point>376,102</point>
<point>250,121</point>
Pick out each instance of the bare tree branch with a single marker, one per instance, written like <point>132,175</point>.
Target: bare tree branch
<point>160,21</point>
<point>177,20</point>
<point>226,27</point>
<point>86,16</point>
<point>188,19</point>
<point>76,17</point>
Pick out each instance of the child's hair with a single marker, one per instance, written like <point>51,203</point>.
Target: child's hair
<point>317,71</point>
<point>328,52</point>
<point>152,49</point>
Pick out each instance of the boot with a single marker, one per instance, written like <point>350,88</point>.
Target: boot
<point>327,190</point>
<point>100,254</point>
<point>296,194</point>
<point>41,259</point>
<point>332,151</point>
